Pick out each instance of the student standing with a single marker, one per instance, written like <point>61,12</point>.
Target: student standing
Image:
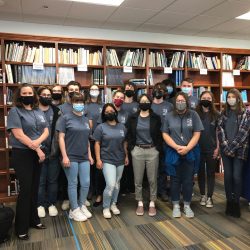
<point>145,143</point>
<point>171,90</point>
<point>130,105</point>
<point>111,156</point>
<point>233,135</point>
<point>209,146</point>
<point>187,88</point>
<point>74,132</point>
<point>57,95</point>
<point>181,132</point>
<point>28,130</point>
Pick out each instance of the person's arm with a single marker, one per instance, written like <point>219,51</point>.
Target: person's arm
<point>98,155</point>
<point>65,161</point>
<point>170,141</point>
<point>125,145</point>
<point>24,139</point>
<point>217,150</point>
<point>91,160</point>
<point>36,143</point>
<point>192,143</point>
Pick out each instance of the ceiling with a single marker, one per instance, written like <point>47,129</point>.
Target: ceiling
<point>207,18</point>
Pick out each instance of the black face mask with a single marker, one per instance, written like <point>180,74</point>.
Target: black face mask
<point>129,93</point>
<point>144,106</point>
<point>205,103</point>
<point>27,100</point>
<point>71,94</point>
<point>110,116</point>
<point>56,96</point>
<point>157,94</point>
<point>45,101</point>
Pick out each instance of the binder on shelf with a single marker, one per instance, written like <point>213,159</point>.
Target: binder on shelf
<point>227,79</point>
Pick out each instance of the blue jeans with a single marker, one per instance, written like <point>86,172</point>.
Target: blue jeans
<point>50,170</point>
<point>81,169</point>
<point>183,180</point>
<point>112,175</point>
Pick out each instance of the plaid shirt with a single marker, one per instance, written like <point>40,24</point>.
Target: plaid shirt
<point>240,144</point>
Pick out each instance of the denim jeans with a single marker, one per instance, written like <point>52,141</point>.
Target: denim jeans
<point>183,180</point>
<point>112,175</point>
<point>81,170</point>
<point>50,170</point>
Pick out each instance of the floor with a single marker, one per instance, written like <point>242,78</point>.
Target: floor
<point>210,229</point>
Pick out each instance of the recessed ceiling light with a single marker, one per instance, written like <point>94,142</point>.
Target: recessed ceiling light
<point>245,16</point>
<point>2,3</point>
<point>101,2</point>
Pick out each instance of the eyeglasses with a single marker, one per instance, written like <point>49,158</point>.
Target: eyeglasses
<point>45,95</point>
<point>180,101</point>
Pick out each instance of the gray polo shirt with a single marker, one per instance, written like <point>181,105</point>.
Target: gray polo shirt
<point>181,127</point>
<point>143,131</point>
<point>162,109</point>
<point>32,122</point>
<point>111,139</point>
<point>77,131</point>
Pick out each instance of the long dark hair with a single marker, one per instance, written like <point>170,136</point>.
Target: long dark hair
<point>16,99</point>
<point>104,109</point>
<point>213,112</point>
<point>99,99</point>
<point>170,82</point>
<point>186,99</point>
<point>240,108</point>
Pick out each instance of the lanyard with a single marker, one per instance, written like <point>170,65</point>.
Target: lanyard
<point>181,117</point>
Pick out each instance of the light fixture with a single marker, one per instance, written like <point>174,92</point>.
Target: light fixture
<point>101,2</point>
<point>245,16</point>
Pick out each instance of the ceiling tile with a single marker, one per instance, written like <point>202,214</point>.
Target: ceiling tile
<point>82,23</point>
<point>124,14</point>
<point>153,28</point>
<point>11,6</point>
<point>147,4</point>
<point>120,25</point>
<point>43,19</point>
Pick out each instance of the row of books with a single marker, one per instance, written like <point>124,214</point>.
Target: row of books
<point>203,62</point>
<point>243,63</point>
<point>16,52</point>
<point>138,81</point>
<point>98,77</point>
<point>243,95</point>
<point>80,56</point>
<point>197,91</point>
<point>227,62</point>
<point>177,77</point>
<point>129,58</point>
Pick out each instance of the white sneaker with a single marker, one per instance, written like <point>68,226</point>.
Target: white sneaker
<point>209,202</point>
<point>65,205</point>
<point>41,212</point>
<point>77,215</point>
<point>87,203</point>
<point>86,212</point>
<point>176,211</point>
<point>203,200</point>
<point>106,213</point>
<point>53,211</point>
<point>188,211</point>
<point>114,209</point>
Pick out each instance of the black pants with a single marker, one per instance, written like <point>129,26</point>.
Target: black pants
<point>233,168</point>
<point>62,186</point>
<point>27,167</point>
<point>127,181</point>
<point>207,169</point>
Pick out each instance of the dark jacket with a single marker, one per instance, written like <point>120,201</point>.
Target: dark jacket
<point>155,130</point>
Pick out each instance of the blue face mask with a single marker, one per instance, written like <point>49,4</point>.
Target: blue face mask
<point>170,90</point>
<point>78,107</point>
<point>187,90</point>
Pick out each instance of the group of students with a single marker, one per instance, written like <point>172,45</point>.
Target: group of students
<point>99,147</point>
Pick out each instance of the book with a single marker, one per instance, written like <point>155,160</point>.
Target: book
<point>98,76</point>
<point>227,62</point>
<point>65,75</point>
<point>227,79</point>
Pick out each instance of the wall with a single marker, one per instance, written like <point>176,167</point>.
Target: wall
<point>78,32</point>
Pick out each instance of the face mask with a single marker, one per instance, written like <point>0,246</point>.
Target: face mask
<point>78,107</point>
<point>158,94</point>
<point>231,101</point>
<point>118,102</point>
<point>45,101</point>
<point>170,90</point>
<point>56,96</point>
<point>27,100</point>
<point>129,93</point>
<point>94,93</point>
<point>110,116</point>
<point>187,90</point>
<point>71,94</point>
<point>144,106</point>
<point>180,106</point>
<point>205,103</point>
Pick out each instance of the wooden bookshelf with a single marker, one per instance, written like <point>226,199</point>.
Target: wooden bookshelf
<point>211,80</point>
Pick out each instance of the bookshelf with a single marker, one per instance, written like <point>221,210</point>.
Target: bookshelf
<point>109,64</point>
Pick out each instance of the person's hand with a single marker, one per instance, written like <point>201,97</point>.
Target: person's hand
<point>183,150</point>
<point>34,145</point>
<point>126,161</point>
<point>66,162</point>
<point>216,153</point>
<point>99,164</point>
<point>91,160</point>
<point>41,155</point>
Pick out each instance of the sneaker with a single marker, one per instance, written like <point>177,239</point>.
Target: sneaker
<point>52,211</point>
<point>209,202</point>
<point>114,209</point>
<point>203,200</point>
<point>86,212</point>
<point>140,211</point>
<point>106,213</point>
<point>176,211</point>
<point>41,212</point>
<point>77,215</point>
<point>188,211</point>
<point>65,205</point>
<point>87,203</point>
<point>152,211</point>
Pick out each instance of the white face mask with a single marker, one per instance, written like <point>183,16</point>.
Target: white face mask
<point>231,101</point>
<point>94,93</point>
